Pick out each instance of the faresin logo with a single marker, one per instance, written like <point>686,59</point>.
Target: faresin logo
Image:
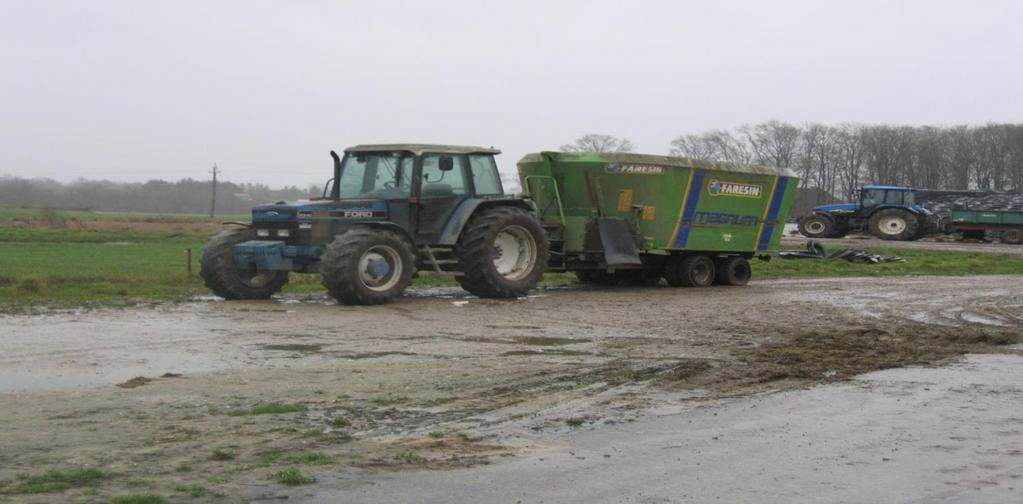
<point>722,188</point>
<point>618,169</point>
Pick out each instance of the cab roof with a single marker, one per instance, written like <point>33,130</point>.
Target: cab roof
<point>419,149</point>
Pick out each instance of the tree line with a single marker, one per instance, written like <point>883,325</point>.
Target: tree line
<point>155,196</point>
<point>837,160</point>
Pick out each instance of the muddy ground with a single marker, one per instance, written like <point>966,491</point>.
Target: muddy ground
<point>438,379</point>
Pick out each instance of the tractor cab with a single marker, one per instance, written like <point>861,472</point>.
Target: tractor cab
<point>873,196</point>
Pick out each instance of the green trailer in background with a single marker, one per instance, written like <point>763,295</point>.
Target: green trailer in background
<point>1008,224</point>
<point>620,217</point>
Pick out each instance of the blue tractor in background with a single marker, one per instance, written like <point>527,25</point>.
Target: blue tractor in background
<point>887,212</point>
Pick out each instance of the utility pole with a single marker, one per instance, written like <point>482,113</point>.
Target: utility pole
<point>213,198</point>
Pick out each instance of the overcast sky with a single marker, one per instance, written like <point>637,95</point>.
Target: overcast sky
<point>134,90</point>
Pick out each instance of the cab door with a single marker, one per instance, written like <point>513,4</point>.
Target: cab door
<point>442,187</point>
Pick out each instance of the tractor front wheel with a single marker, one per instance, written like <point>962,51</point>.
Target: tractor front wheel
<point>222,275</point>
<point>502,253</point>
<point>816,226</point>
<point>894,224</point>
<point>365,266</point>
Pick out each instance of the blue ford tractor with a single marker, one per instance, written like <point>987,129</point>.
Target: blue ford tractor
<point>887,212</point>
<point>388,211</point>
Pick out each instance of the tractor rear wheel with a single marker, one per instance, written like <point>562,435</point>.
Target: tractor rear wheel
<point>733,271</point>
<point>894,224</point>
<point>222,275</point>
<point>690,271</point>
<point>1012,236</point>
<point>502,253</point>
<point>816,226</point>
<point>366,266</point>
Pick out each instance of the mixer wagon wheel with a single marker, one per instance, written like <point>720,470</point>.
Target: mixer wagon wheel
<point>733,271</point>
<point>367,266</point>
<point>502,253</point>
<point>690,271</point>
<point>221,274</point>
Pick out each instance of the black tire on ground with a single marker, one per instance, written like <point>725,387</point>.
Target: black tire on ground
<point>502,253</point>
<point>221,274</point>
<point>690,271</point>
<point>816,225</point>
<point>733,271</point>
<point>1012,236</point>
<point>365,266</point>
<point>894,224</point>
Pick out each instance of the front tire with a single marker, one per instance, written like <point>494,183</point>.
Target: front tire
<point>221,274</point>
<point>365,266</point>
<point>502,253</point>
<point>816,226</point>
<point>894,224</point>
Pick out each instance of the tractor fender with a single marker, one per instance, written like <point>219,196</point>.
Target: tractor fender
<point>467,208</point>
<point>390,226</point>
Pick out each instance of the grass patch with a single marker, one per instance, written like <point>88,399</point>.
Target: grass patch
<point>339,422</point>
<point>139,499</point>
<point>410,457</point>
<point>194,491</point>
<point>291,477</point>
<point>311,458</point>
<point>218,454</point>
<point>57,481</point>
<point>918,262</point>
<point>574,421</point>
<point>270,409</point>
<point>389,400</point>
<point>436,435</point>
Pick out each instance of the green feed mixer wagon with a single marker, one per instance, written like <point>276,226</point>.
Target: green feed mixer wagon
<point>620,217</point>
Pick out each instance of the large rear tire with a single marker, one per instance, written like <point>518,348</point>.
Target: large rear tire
<point>221,274</point>
<point>816,226</point>
<point>894,224</point>
<point>502,253</point>
<point>733,271</point>
<point>366,266</point>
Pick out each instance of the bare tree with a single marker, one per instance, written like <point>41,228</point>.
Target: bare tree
<point>599,143</point>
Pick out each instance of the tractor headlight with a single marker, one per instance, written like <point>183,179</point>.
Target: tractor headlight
<point>262,232</point>
<point>305,225</point>
<point>283,233</point>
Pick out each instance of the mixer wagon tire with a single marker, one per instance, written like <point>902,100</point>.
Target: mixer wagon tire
<point>502,253</point>
<point>221,274</point>
<point>816,226</point>
<point>690,271</point>
<point>365,266</point>
<point>1012,236</point>
<point>733,271</point>
<point>894,224</point>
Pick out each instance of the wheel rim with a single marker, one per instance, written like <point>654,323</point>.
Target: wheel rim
<point>892,225</point>
<point>514,252</point>
<point>380,268</point>
<point>701,273</point>
<point>815,227</point>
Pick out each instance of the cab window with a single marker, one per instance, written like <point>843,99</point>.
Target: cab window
<point>437,182</point>
<point>485,175</point>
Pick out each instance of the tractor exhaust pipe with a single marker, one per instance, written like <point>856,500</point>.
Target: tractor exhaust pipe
<point>335,190</point>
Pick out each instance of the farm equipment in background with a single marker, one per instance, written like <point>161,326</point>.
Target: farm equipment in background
<point>634,218</point>
<point>887,212</point>
<point>388,211</point>
<point>976,224</point>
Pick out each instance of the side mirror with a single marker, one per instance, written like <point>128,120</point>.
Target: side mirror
<point>446,163</point>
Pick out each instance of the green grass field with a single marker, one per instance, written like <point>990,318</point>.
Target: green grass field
<point>132,258</point>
